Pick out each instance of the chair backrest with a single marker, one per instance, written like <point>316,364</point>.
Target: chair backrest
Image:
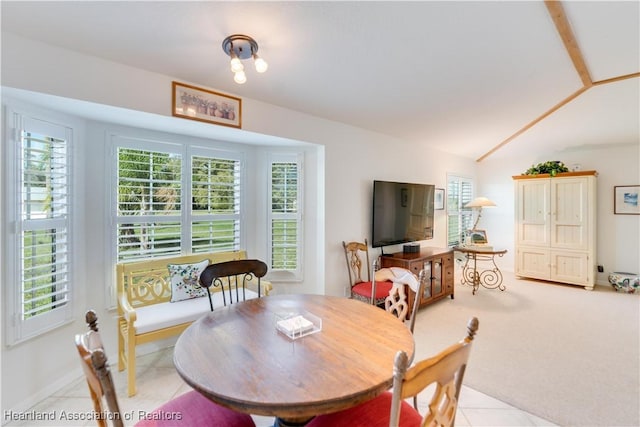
<point>446,370</point>
<point>422,281</point>
<point>96,370</point>
<point>357,256</point>
<point>397,303</point>
<point>232,277</point>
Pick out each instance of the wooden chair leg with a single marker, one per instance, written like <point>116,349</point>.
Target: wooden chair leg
<point>121,352</point>
<point>131,367</point>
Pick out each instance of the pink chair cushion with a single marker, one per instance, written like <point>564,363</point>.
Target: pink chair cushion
<point>364,289</point>
<point>373,413</point>
<point>193,409</point>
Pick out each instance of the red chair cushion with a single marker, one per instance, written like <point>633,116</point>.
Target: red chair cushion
<point>364,289</point>
<point>374,413</point>
<point>193,409</point>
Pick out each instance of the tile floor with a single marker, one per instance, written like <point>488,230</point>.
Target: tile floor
<point>158,382</point>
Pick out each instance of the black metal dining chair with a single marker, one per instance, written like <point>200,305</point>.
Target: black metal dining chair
<point>233,279</point>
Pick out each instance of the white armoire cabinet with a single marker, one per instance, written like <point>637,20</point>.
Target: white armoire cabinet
<point>555,227</point>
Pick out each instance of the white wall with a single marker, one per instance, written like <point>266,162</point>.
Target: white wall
<point>344,165</point>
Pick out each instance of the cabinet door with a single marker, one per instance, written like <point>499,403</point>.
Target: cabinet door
<point>532,212</point>
<point>533,262</point>
<point>570,267</point>
<point>436,278</point>
<point>426,290</point>
<point>569,213</point>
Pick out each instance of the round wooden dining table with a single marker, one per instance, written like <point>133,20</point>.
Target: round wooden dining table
<point>236,357</point>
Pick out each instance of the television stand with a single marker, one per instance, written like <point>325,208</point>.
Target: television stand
<point>439,261</point>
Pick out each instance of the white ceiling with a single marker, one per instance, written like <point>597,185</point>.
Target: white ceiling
<point>459,76</point>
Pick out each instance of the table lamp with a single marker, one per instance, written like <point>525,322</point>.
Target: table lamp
<point>479,202</point>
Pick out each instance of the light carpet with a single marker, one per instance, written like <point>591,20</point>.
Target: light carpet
<point>560,352</point>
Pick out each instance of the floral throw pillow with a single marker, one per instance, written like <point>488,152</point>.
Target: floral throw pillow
<point>184,280</point>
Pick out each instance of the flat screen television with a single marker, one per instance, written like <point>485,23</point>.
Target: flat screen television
<point>402,213</point>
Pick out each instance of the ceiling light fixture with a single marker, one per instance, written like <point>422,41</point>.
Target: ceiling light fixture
<point>239,47</point>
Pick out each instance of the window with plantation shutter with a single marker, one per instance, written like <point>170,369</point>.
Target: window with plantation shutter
<point>154,185</point>
<point>41,255</point>
<point>285,214</point>
<point>459,218</point>
<point>149,194</point>
<point>215,195</point>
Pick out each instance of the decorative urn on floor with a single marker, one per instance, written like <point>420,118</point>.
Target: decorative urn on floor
<point>625,282</point>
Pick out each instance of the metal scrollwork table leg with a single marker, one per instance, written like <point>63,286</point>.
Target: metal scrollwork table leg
<point>489,277</point>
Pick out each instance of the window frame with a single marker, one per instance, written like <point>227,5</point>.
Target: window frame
<point>286,275</point>
<point>464,215</point>
<point>240,216</point>
<point>187,150</point>
<point>31,120</point>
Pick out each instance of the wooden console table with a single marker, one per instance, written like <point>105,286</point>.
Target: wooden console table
<point>490,277</point>
<point>439,261</point>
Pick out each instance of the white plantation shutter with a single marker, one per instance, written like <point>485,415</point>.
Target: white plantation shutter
<point>154,187</point>
<point>149,194</point>
<point>41,257</point>
<point>215,195</point>
<point>459,218</point>
<point>285,214</point>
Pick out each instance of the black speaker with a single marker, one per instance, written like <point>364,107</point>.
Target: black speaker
<point>411,248</point>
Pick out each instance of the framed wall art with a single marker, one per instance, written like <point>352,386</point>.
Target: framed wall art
<point>478,237</point>
<point>194,103</point>
<point>625,200</point>
<point>438,199</point>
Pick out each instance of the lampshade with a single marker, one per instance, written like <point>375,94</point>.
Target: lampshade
<point>480,202</point>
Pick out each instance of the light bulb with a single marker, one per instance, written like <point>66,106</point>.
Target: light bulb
<point>261,64</point>
<point>236,64</point>
<point>240,77</point>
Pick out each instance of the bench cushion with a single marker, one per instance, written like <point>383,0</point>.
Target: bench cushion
<point>184,280</point>
<point>163,315</point>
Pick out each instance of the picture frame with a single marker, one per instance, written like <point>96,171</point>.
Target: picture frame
<point>625,200</point>
<point>194,103</point>
<point>438,199</point>
<point>478,237</point>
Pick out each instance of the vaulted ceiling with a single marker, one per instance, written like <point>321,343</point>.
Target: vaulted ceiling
<point>476,79</point>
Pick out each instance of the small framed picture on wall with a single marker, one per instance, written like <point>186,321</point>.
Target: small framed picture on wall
<point>625,200</point>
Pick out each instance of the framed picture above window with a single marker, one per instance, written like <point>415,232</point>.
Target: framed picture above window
<point>190,102</point>
<point>438,199</point>
<point>625,200</point>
